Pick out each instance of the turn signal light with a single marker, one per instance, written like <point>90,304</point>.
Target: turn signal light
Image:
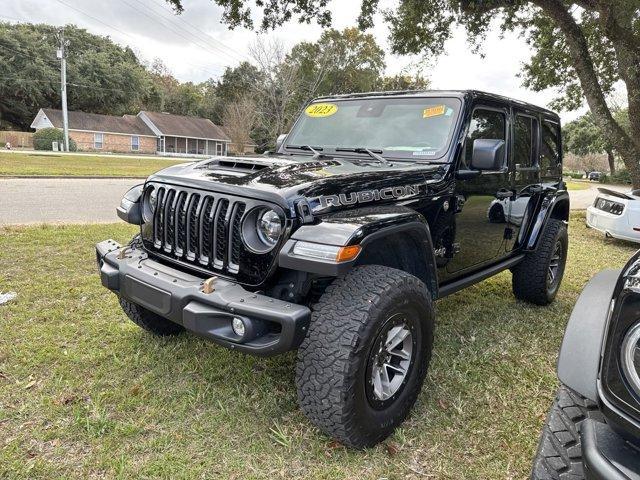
<point>348,253</point>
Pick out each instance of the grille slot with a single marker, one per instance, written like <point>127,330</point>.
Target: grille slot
<point>199,228</point>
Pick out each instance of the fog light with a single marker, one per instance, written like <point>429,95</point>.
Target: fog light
<point>238,327</point>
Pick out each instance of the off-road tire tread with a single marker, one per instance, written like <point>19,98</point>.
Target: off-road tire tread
<point>144,318</point>
<point>529,279</point>
<point>326,366</point>
<point>559,455</point>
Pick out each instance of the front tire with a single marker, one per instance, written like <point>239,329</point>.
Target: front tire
<point>365,356</point>
<point>559,455</point>
<point>537,278</point>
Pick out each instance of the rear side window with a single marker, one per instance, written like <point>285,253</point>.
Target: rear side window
<point>485,124</point>
<point>526,135</point>
<point>550,158</point>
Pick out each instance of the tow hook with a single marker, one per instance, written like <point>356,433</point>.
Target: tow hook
<point>208,286</point>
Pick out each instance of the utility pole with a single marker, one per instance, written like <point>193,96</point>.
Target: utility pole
<point>62,56</point>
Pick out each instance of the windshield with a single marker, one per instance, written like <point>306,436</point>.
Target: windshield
<point>414,128</point>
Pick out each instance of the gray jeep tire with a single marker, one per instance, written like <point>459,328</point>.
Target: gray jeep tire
<point>362,364</point>
<point>537,278</point>
<point>144,318</point>
<point>559,455</point>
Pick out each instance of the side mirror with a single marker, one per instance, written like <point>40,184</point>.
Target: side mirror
<point>488,154</point>
<point>280,141</point>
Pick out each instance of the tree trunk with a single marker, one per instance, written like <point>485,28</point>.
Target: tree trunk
<point>579,48</point>
<point>612,161</point>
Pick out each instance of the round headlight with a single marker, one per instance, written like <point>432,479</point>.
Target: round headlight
<point>149,203</point>
<point>261,230</point>
<point>269,227</point>
<point>630,357</point>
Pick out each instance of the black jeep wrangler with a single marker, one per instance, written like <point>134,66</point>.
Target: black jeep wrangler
<point>593,428</point>
<point>337,244</point>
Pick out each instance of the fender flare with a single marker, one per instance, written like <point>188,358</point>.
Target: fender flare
<point>362,227</point>
<point>551,206</point>
<point>579,358</point>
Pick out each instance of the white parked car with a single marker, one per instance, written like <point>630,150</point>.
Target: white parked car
<point>616,214</point>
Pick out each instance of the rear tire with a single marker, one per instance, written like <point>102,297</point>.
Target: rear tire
<point>144,318</point>
<point>537,278</point>
<point>352,383</point>
<point>559,455</point>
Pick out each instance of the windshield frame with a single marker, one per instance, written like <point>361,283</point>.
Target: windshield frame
<point>391,155</point>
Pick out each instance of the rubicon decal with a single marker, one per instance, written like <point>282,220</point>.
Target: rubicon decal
<point>364,196</point>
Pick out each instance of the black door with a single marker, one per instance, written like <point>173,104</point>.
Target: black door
<point>480,217</point>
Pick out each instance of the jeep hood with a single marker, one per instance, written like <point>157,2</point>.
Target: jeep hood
<point>292,177</point>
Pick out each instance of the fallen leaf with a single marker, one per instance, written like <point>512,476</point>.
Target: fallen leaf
<point>29,385</point>
<point>392,448</point>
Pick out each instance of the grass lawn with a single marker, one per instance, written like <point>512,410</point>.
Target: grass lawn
<point>578,185</point>
<point>79,165</point>
<point>84,393</point>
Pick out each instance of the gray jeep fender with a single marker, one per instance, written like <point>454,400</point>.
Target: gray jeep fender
<point>402,228</point>
<point>579,359</point>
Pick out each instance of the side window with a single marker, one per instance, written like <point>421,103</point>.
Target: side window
<point>550,149</point>
<point>526,133</point>
<point>485,124</point>
<point>98,140</point>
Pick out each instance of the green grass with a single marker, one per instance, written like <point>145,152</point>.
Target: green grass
<point>84,393</point>
<point>578,185</point>
<point>79,165</point>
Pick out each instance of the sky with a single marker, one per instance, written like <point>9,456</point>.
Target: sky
<point>196,46</point>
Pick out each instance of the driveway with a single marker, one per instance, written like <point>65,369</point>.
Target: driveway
<point>581,199</point>
<point>61,200</point>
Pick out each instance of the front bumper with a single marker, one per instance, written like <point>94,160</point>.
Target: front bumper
<point>606,455</point>
<point>179,297</point>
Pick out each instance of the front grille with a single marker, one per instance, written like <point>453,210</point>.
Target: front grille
<point>609,206</point>
<point>203,230</point>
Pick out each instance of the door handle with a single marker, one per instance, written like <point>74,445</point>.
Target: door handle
<point>504,194</point>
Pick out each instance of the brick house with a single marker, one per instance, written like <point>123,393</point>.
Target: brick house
<point>147,132</point>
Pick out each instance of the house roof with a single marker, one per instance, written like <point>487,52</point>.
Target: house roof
<point>180,126</point>
<point>93,122</point>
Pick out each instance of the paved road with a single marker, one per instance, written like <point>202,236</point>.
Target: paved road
<point>185,158</point>
<point>66,200</point>
<point>581,199</point>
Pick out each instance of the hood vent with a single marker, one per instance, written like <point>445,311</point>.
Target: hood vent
<point>232,167</point>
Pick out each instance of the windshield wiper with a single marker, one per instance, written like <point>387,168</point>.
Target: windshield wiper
<point>315,150</point>
<point>373,154</point>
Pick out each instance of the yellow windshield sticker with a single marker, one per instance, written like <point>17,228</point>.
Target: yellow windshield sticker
<point>433,111</point>
<point>319,110</point>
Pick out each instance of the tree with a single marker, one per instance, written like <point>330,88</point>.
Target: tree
<point>339,62</point>
<point>581,47</point>
<point>582,137</point>
<point>403,82</point>
<point>102,76</point>
<point>239,119</point>
<point>236,83</point>
<point>276,95</point>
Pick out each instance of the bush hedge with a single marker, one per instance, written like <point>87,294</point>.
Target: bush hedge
<point>620,177</point>
<point>574,175</point>
<point>43,139</point>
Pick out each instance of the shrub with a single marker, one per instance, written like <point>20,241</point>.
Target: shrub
<point>43,139</point>
<point>574,175</point>
<point>620,177</point>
